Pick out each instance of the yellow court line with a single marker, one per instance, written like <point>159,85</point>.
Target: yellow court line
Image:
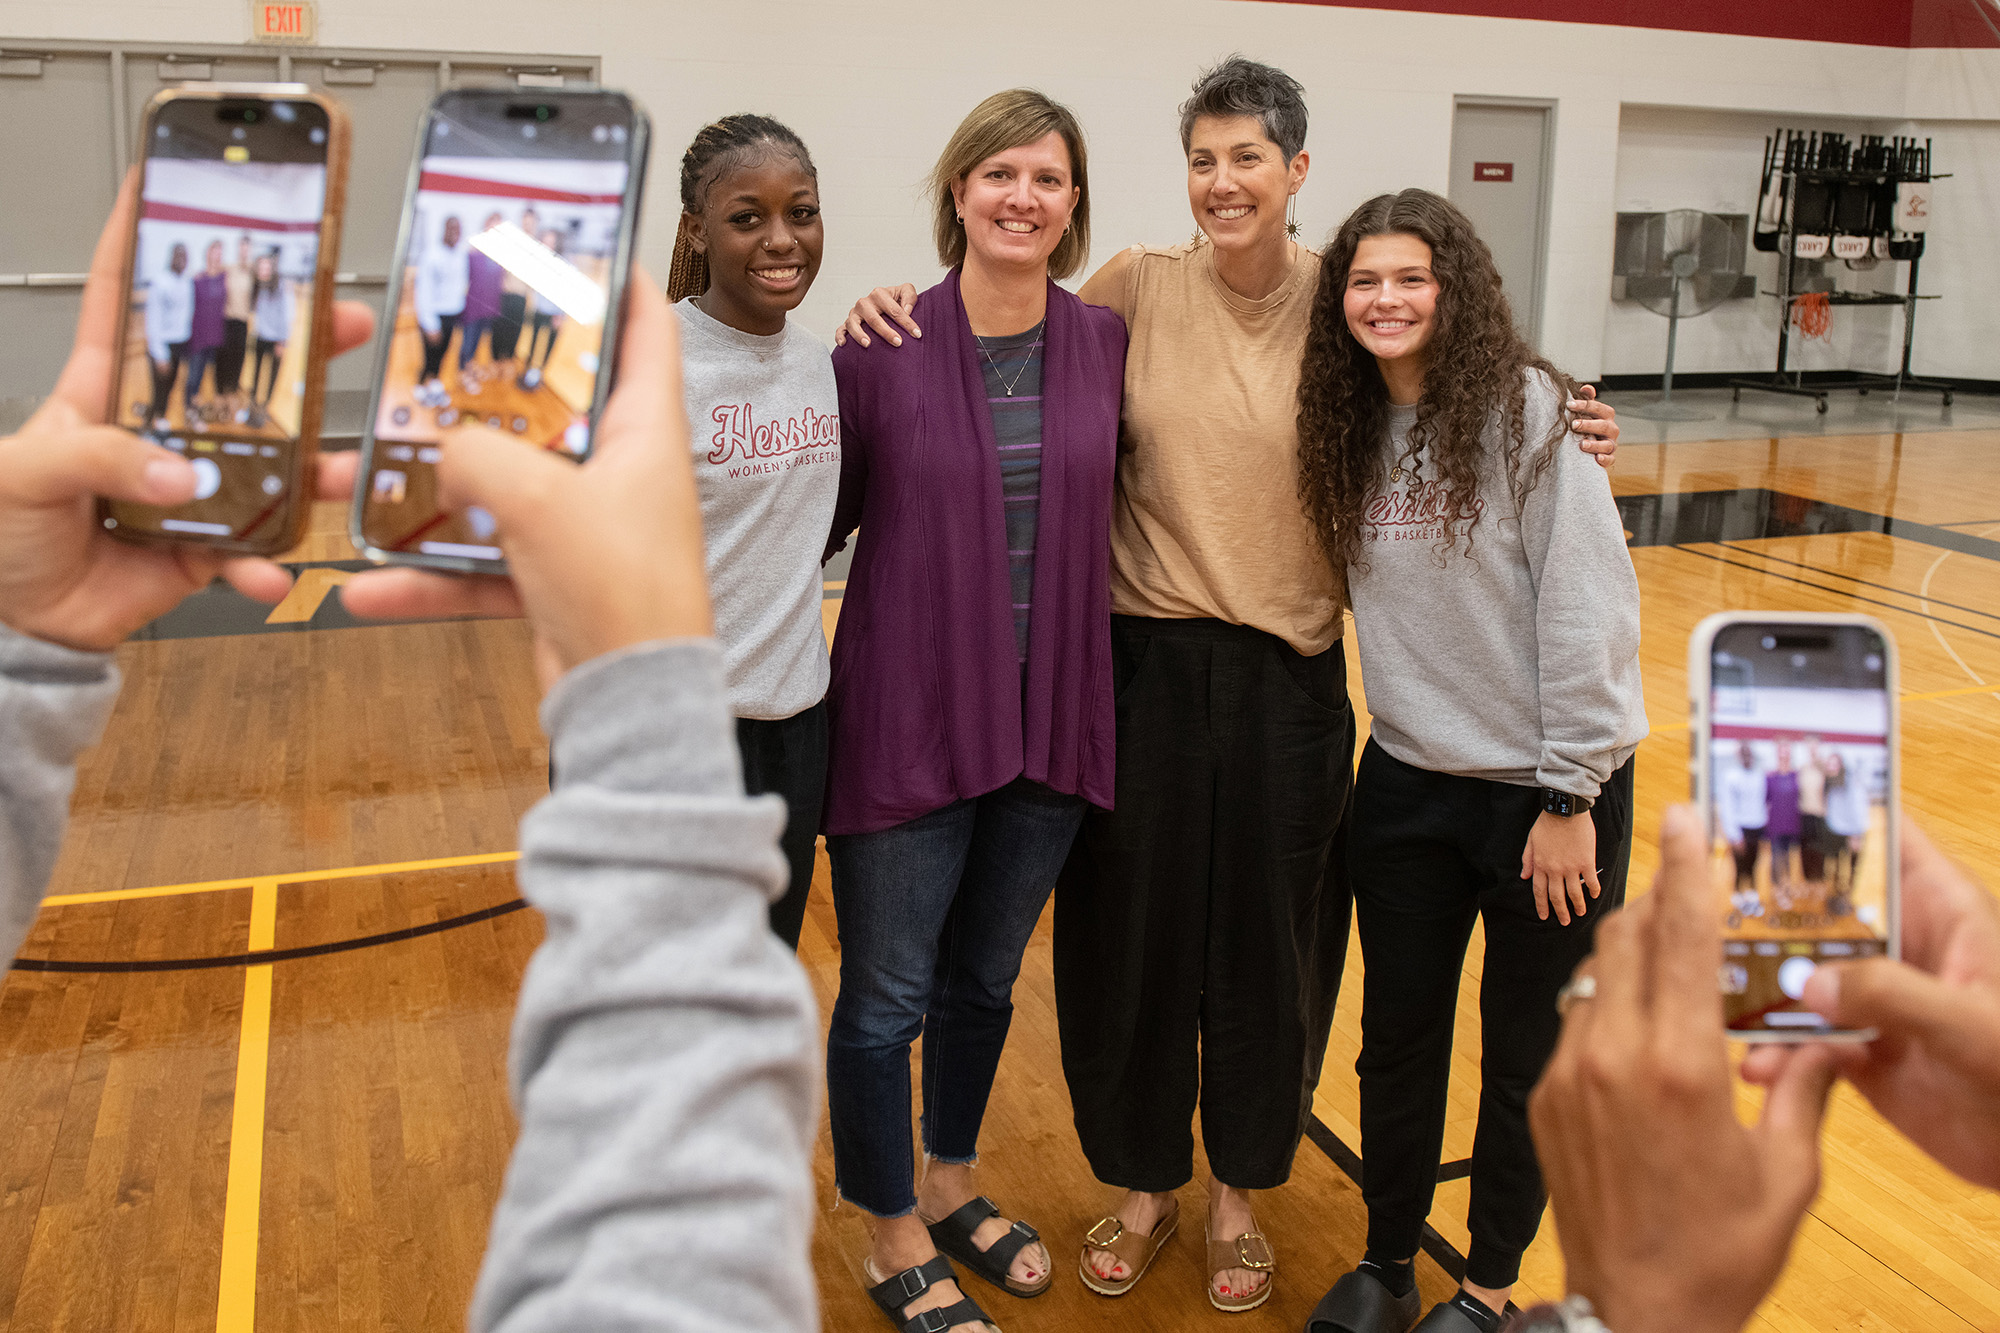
<point>236,1294</point>
<point>292,877</point>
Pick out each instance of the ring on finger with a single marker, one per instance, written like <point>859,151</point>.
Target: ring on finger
<point>1577,989</point>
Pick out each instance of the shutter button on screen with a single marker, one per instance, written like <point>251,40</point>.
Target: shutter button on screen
<point>1793,974</point>
<point>207,478</point>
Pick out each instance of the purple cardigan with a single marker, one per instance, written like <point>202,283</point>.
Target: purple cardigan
<point>927,703</point>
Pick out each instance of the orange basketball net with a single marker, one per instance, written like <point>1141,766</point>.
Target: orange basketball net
<point>1813,315</point>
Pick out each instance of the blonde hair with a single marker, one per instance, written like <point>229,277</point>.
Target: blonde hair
<point>1009,120</point>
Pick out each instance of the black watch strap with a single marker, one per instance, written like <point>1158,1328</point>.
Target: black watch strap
<point>1564,803</point>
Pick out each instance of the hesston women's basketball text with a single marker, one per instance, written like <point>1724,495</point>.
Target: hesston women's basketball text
<point>773,446</point>
<point>1424,512</point>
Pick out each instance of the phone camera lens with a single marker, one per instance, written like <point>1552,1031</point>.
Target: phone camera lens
<point>1770,641</point>
<point>250,115</point>
<point>541,113</point>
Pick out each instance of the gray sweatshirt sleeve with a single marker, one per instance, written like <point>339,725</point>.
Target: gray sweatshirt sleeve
<point>665,1054</point>
<point>54,702</point>
<point>1586,611</point>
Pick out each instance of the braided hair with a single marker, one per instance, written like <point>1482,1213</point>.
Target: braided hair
<point>731,142</point>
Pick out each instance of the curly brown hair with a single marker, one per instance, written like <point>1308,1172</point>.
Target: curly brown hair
<point>1483,360</point>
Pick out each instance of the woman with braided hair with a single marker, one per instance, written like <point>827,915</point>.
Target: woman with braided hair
<point>766,419</point>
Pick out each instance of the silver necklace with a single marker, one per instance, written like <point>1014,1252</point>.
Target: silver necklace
<point>1019,374</point>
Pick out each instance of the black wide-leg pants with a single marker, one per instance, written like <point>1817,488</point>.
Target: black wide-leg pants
<point>1201,925</point>
<point>1432,853</point>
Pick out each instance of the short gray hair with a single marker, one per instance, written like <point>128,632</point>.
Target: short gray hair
<point>1240,86</point>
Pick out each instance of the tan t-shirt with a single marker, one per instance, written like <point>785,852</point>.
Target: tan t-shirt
<point>1207,520</point>
<point>239,284</point>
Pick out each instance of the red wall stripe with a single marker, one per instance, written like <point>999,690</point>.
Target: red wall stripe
<point>442,183</point>
<point>1898,23</point>
<point>160,212</point>
<point>1729,731</point>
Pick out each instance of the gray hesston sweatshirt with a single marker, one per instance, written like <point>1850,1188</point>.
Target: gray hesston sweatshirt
<point>1516,661</point>
<point>766,419</point>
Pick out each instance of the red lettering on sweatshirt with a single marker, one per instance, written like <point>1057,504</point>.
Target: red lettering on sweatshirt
<point>1423,512</point>
<point>741,436</point>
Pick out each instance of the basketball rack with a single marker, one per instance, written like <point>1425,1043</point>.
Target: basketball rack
<point>1853,193</point>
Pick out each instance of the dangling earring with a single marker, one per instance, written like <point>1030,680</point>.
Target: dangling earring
<point>1292,218</point>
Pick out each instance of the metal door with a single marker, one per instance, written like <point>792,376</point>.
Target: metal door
<point>1499,178</point>
<point>59,159</point>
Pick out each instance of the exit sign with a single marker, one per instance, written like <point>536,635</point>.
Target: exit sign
<point>293,21</point>
<point>1493,171</point>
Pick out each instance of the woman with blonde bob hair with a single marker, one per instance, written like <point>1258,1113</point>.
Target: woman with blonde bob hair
<point>970,706</point>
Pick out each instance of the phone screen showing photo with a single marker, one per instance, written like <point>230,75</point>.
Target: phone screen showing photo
<point>501,310</point>
<point>219,332</point>
<point>1801,784</point>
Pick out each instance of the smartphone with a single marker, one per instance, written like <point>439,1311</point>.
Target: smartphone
<point>506,290</point>
<point>1793,725</point>
<point>227,317</point>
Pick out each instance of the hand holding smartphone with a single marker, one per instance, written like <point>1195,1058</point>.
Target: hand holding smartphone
<point>505,296</point>
<point>227,318</point>
<point>1795,767</point>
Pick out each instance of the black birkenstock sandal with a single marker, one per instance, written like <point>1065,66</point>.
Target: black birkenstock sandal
<point>898,1291</point>
<point>953,1235</point>
<point>1360,1303</point>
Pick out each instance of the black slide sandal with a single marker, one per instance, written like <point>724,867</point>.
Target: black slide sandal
<point>953,1235</point>
<point>911,1283</point>
<point>1359,1303</point>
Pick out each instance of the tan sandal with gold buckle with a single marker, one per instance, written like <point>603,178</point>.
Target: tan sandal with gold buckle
<point>1249,1250</point>
<point>1135,1251</point>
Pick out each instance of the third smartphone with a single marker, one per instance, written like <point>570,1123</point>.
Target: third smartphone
<point>503,305</point>
<point>1795,767</point>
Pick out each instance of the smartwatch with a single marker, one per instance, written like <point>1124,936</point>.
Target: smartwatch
<point>1564,803</point>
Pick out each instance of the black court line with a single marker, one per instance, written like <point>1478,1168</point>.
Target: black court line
<point>1975,523</point>
<point>1442,1251</point>
<point>1748,513</point>
<point>1839,592</point>
<point>256,956</point>
<point>1836,574</point>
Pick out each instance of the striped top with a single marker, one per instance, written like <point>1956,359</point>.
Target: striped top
<point>1015,363</point>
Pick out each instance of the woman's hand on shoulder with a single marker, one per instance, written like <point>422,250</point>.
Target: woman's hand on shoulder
<point>1561,858</point>
<point>1595,425</point>
<point>875,310</point>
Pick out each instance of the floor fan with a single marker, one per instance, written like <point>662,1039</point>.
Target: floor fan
<point>1686,264</point>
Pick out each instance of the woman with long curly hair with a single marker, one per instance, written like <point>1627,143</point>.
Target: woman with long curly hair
<point>1498,617</point>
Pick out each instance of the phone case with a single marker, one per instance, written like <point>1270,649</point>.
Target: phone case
<point>614,320</point>
<point>313,405</point>
<point>1700,649</point>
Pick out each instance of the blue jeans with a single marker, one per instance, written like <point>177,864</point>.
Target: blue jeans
<point>934,917</point>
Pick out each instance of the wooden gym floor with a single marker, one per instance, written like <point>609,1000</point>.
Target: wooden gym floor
<point>251,1065</point>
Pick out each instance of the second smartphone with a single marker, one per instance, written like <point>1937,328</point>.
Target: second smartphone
<point>1794,761</point>
<point>503,305</point>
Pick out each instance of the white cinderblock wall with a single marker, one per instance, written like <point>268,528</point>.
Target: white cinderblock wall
<point>876,87</point>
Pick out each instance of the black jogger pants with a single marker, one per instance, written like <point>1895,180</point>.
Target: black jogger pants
<point>1430,854</point>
